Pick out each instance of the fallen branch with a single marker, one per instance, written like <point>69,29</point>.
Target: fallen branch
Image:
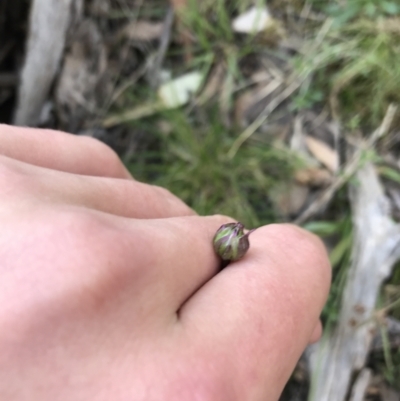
<point>361,385</point>
<point>49,23</point>
<point>376,248</point>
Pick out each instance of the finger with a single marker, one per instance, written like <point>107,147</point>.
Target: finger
<point>317,333</point>
<point>159,262</point>
<point>127,198</point>
<point>182,257</point>
<point>262,310</point>
<point>61,151</point>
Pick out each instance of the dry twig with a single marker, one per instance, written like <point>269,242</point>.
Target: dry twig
<point>350,169</point>
<point>259,121</point>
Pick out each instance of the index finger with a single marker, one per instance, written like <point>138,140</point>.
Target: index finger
<point>61,151</point>
<point>259,313</point>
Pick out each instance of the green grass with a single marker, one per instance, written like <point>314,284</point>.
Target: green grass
<point>371,9</point>
<point>341,233</point>
<point>389,304</point>
<point>351,64</point>
<point>355,69</point>
<point>192,162</point>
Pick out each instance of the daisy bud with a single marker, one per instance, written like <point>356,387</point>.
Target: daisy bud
<point>230,242</point>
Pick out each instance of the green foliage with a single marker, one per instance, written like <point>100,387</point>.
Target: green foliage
<point>389,304</point>
<point>355,65</point>
<point>345,12</point>
<point>390,173</point>
<point>192,162</point>
<point>396,368</point>
<point>210,21</point>
<point>389,369</point>
<point>341,233</point>
<point>306,99</point>
<point>396,276</point>
<point>192,159</point>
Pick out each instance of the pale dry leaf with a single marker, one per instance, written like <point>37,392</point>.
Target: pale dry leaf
<point>254,20</point>
<point>247,103</point>
<point>267,89</point>
<point>298,143</point>
<point>289,198</point>
<point>136,113</point>
<point>242,104</point>
<point>260,76</point>
<point>323,153</point>
<point>177,92</point>
<point>313,176</point>
<point>141,31</point>
<point>178,4</point>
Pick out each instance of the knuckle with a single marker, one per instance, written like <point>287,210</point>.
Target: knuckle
<point>168,200</point>
<point>107,156</point>
<point>13,178</point>
<point>83,227</point>
<point>90,256</point>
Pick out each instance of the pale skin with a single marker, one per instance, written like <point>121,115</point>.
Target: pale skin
<point>110,289</point>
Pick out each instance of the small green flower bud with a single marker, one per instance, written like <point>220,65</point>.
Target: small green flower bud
<point>230,242</point>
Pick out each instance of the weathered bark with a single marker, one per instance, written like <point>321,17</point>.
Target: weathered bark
<point>376,248</point>
<point>360,386</point>
<point>49,23</point>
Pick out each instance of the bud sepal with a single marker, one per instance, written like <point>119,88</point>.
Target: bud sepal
<point>231,242</point>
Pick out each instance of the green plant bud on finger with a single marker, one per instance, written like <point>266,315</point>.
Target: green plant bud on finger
<point>230,242</point>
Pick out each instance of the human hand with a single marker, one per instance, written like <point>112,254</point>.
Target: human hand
<point>110,288</point>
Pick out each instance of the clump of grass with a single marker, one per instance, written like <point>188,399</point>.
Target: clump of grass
<point>209,21</point>
<point>352,64</point>
<point>345,12</point>
<point>192,162</point>
<point>389,305</point>
<point>192,159</point>
<point>356,66</point>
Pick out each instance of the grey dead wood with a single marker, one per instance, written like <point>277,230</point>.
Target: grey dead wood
<point>48,28</point>
<point>360,386</point>
<point>82,84</point>
<point>349,170</point>
<point>376,248</point>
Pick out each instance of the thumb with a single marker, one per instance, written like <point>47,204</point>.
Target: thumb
<point>259,314</point>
